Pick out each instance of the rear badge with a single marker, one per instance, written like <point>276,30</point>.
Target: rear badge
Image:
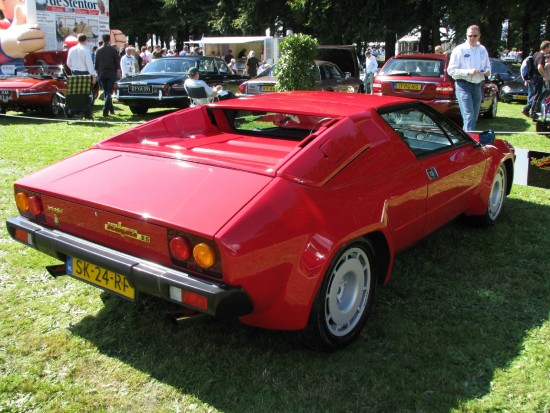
<point>123,231</point>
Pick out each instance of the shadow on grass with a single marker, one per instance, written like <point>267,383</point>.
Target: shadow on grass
<point>458,307</point>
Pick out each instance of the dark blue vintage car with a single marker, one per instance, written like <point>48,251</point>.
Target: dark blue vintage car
<point>160,83</point>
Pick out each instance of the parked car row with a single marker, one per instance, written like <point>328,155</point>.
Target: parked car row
<point>160,84</point>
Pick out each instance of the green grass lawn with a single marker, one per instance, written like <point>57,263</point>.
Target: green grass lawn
<point>463,325</point>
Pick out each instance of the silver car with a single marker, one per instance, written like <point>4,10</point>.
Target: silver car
<point>329,78</point>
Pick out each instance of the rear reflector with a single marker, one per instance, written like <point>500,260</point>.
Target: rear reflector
<point>23,236</point>
<point>189,298</point>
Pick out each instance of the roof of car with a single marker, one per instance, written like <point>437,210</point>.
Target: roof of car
<point>312,102</point>
<point>421,56</point>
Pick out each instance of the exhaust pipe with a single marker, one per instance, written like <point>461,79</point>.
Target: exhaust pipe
<point>184,315</point>
<point>57,270</point>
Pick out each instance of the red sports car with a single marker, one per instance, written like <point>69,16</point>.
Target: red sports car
<point>40,84</point>
<point>284,210</point>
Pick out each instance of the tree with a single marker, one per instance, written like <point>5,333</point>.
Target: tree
<point>296,66</point>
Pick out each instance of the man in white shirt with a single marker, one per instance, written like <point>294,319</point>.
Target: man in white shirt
<point>128,63</point>
<point>371,64</point>
<point>79,59</point>
<point>193,81</point>
<point>468,65</point>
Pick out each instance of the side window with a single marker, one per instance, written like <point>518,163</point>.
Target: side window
<point>222,67</point>
<point>335,73</point>
<point>207,66</point>
<point>422,132</point>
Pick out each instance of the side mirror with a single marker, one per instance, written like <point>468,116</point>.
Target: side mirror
<point>487,137</point>
<point>495,78</point>
<point>348,75</point>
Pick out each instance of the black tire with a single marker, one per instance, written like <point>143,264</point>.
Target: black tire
<point>492,112</point>
<point>3,110</point>
<point>542,127</point>
<point>54,108</point>
<point>138,110</point>
<point>343,302</point>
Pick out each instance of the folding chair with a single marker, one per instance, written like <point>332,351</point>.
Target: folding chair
<point>197,95</point>
<point>79,98</point>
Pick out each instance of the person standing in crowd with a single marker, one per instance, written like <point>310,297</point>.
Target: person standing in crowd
<point>228,56</point>
<point>128,63</point>
<point>242,54</point>
<point>107,64</point>
<point>468,65</point>
<point>536,83</point>
<point>371,64</point>
<point>79,59</point>
<point>252,64</point>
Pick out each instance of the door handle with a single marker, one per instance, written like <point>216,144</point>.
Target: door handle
<point>432,173</point>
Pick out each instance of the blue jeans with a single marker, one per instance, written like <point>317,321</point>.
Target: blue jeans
<point>534,89</point>
<point>108,84</point>
<point>469,100</point>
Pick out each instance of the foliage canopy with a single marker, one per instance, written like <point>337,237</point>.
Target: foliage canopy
<point>295,68</point>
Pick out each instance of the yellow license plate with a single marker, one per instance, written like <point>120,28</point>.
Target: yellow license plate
<point>408,86</point>
<point>520,97</point>
<point>268,88</point>
<point>101,277</point>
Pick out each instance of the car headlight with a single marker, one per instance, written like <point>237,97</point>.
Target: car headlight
<point>506,89</point>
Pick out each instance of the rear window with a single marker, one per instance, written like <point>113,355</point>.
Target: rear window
<point>414,67</point>
<point>276,124</point>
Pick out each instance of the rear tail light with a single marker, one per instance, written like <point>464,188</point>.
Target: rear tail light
<point>204,255</point>
<point>194,253</point>
<point>29,204</point>
<point>180,248</point>
<point>445,88</point>
<point>166,90</point>
<point>376,87</point>
<point>242,88</point>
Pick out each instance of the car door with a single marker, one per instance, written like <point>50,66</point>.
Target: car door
<point>452,161</point>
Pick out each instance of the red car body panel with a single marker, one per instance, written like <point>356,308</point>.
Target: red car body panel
<point>277,210</point>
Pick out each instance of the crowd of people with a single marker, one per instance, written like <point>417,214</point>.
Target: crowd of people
<point>469,65</point>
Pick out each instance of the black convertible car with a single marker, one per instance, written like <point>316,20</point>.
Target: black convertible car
<point>160,83</point>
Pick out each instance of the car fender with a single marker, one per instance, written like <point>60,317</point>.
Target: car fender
<point>497,154</point>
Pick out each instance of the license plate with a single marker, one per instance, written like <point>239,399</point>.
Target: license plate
<point>267,88</point>
<point>408,86</point>
<point>5,95</point>
<point>101,277</point>
<point>140,89</point>
<point>520,97</point>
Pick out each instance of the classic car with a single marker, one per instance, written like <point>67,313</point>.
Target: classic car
<point>513,90</point>
<point>424,76</point>
<point>284,210</point>
<point>160,83</point>
<point>40,84</point>
<point>505,76</point>
<point>329,78</point>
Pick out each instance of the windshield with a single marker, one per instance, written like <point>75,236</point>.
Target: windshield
<point>414,67</point>
<point>40,72</point>
<point>169,65</point>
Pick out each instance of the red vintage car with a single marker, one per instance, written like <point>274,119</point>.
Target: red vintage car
<point>284,210</point>
<point>40,84</point>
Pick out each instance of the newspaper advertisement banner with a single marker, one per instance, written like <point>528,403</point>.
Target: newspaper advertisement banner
<point>36,25</point>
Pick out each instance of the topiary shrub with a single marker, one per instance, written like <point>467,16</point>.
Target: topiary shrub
<point>296,66</point>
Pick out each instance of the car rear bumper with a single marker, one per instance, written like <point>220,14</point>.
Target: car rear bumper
<point>145,276</point>
<point>153,101</point>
